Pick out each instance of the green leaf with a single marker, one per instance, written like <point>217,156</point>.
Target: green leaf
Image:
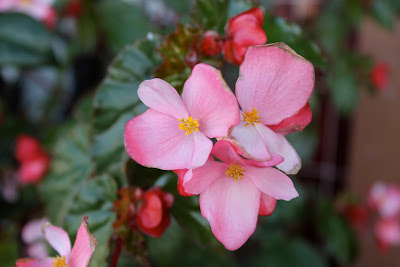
<point>280,30</point>
<point>211,14</point>
<point>384,12</point>
<point>24,41</point>
<point>116,102</point>
<point>123,22</point>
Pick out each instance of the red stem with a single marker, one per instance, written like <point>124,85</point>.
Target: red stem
<point>117,252</point>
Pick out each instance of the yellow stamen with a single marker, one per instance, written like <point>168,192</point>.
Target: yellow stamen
<point>59,262</point>
<point>189,125</point>
<point>235,171</point>
<point>251,117</point>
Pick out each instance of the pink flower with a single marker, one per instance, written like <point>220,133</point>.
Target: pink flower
<point>273,89</point>
<point>174,133</point>
<point>233,192</point>
<point>32,236</point>
<point>387,232</point>
<point>153,216</point>
<point>79,256</point>
<point>242,31</point>
<point>38,9</point>
<point>379,75</point>
<point>386,199</point>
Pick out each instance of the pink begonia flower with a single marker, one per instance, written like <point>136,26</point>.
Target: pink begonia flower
<point>386,199</point>
<point>32,236</point>
<point>38,9</point>
<point>274,85</point>
<point>79,256</point>
<point>174,133</point>
<point>387,232</point>
<point>233,192</point>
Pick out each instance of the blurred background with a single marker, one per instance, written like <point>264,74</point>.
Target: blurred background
<point>61,85</point>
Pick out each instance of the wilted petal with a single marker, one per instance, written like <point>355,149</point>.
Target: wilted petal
<point>209,100</point>
<point>161,96</point>
<point>272,182</point>
<point>154,139</point>
<point>58,239</point>
<point>231,208</point>
<point>85,244</point>
<point>275,81</point>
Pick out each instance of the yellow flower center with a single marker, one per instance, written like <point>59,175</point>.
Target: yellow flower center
<point>235,171</point>
<point>59,262</point>
<point>251,117</point>
<point>189,125</point>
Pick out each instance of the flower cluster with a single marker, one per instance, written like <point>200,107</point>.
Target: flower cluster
<point>33,159</point>
<point>386,200</point>
<point>79,255</point>
<point>242,31</point>
<point>273,89</point>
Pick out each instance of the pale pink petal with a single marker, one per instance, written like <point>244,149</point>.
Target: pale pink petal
<point>161,96</point>
<point>267,205</point>
<point>275,81</point>
<point>199,179</point>
<point>6,5</point>
<point>251,141</point>
<point>209,100</point>
<point>26,262</point>
<point>272,182</point>
<point>57,238</point>
<point>85,244</point>
<point>278,144</point>
<point>31,231</point>
<point>154,139</point>
<point>295,123</point>
<point>231,208</point>
<point>37,250</point>
<point>390,204</point>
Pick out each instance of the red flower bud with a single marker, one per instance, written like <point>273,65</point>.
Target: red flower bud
<point>242,31</point>
<point>379,75</point>
<point>211,44</point>
<point>33,170</point>
<point>27,148</point>
<point>153,217</point>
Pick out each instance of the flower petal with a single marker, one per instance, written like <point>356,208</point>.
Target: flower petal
<point>154,139</point>
<point>275,81</point>
<point>161,96</point>
<point>295,123</point>
<point>209,100</point>
<point>272,182</point>
<point>278,144</point>
<point>26,262</point>
<point>85,244</point>
<point>251,141</point>
<point>57,238</point>
<point>181,173</point>
<point>231,208</point>
<point>199,179</point>
<point>267,205</point>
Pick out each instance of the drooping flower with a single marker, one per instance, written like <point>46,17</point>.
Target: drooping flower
<point>39,9</point>
<point>33,238</point>
<point>233,192</point>
<point>174,133</point>
<point>379,76</point>
<point>211,43</point>
<point>387,233</point>
<point>273,89</point>
<point>242,31</point>
<point>33,159</point>
<point>79,256</point>
<point>153,216</point>
<point>386,199</point>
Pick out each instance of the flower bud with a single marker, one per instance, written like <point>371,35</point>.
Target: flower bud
<point>211,44</point>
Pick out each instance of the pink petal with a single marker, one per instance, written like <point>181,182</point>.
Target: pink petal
<point>199,179</point>
<point>275,81</point>
<point>272,182</point>
<point>231,208</point>
<point>251,141</point>
<point>154,139</point>
<point>278,144</point>
<point>181,173</point>
<point>58,239</point>
<point>387,231</point>
<point>161,96</point>
<point>31,231</point>
<point>267,205</point>
<point>295,123</point>
<point>85,244</point>
<point>37,250</point>
<point>227,152</point>
<point>35,263</point>
<point>209,100</point>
